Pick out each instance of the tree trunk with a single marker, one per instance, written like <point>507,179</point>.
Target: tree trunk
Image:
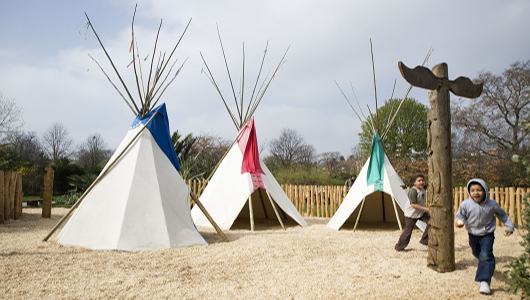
<point>441,256</point>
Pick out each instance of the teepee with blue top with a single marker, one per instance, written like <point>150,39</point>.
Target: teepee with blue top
<point>139,201</point>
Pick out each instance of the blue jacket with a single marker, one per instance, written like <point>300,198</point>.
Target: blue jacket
<point>479,218</point>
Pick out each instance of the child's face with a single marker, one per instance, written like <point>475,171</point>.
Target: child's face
<point>419,183</point>
<point>477,193</point>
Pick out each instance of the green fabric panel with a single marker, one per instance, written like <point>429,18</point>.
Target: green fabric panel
<point>376,167</point>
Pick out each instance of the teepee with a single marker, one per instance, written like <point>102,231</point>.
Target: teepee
<point>376,193</point>
<point>139,201</point>
<point>242,187</point>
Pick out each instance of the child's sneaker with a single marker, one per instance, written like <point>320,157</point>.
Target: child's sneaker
<point>484,288</point>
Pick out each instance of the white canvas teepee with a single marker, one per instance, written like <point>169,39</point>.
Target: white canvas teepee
<point>374,193</point>
<point>242,186</point>
<point>142,202</point>
<point>139,201</point>
<point>243,182</point>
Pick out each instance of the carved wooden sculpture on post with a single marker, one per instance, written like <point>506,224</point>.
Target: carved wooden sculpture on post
<point>441,256</point>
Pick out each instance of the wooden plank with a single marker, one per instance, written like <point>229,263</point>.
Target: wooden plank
<point>7,206</point>
<point>497,199</point>
<point>2,218</point>
<point>12,186</point>
<point>518,193</point>
<point>48,193</point>
<point>511,191</point>
<point>18,196</point>
<point>318,200</point>
<point>326,202</point>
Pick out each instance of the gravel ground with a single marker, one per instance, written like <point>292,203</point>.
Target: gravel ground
<point>269,263</point>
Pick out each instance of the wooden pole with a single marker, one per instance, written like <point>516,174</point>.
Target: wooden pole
<point>326,202</point>
<point>48,194</point>
<point>275,210</point>
<point>18,196</point>
<point>397,215</point>
<point>441,251</point>
<point>7,205</point>
<point>207,215</point>
<point>307,193</point>
<point>251,212</point>
<point>518,193</point>
<point>2,190</point>
<point>319,200</point>
<point>359,215</point>
<point>12,187</point>
<point>512,203</point>
<point>497,199</point>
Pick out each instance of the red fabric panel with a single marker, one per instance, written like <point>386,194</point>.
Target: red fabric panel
<point>248,143</point>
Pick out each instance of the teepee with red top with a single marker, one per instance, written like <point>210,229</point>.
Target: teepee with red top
<point>242,186</point>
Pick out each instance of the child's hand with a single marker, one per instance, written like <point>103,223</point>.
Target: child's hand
<point>459,223</point>
<point>508,233</point>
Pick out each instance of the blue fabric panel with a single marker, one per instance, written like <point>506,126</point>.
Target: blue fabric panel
<point>376,167</point>
<point>159,128</point>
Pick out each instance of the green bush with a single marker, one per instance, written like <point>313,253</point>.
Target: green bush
<point>518,274</point>
<point>70,198</point>
<point>312,176</point>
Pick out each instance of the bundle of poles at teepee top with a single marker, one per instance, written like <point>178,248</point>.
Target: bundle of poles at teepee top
<point>244,114</point>
<point>371,120</point>
<point>157,80</point>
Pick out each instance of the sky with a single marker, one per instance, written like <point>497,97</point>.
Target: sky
<point>45,67</point>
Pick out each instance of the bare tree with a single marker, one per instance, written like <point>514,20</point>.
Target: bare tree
<point>93,151</point>
<point>56,142</point>
<point>331,161</point>
<point>494,119</point>
<point>26,148</point>
<point>10,117</point>
<point>291,148</point>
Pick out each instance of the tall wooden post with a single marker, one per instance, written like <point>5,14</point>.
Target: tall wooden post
<point>18,196</point>
<point>48,193</point>
<point>439,196</point>
<point>2,202</point>
<point>441,254</point>
<point>7,204</point>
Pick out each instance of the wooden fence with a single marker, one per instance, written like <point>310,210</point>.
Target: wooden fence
<point>323,201</point>
<point>10,195</point>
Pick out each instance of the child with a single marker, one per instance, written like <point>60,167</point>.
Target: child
<point>478,214</point>
<point>414,211</point>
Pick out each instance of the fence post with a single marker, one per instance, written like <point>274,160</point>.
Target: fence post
<point>48,193</point>
<point>2,216</point>
<point>313,200</point>
<point>326,203</point>
<point>497,199</point>
<point>518,193</point>
<point>18,196</point>
<point>512,203</point>
<point>7,204</point>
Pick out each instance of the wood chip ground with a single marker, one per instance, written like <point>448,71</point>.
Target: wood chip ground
<point>270,263</point>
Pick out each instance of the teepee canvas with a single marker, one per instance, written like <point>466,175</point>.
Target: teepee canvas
<point>374,194</point>
<point>243,187</point>
<point>138,201</point>
<point>142,202</point>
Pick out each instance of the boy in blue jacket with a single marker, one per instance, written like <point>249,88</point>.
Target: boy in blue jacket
<point>478,214</point>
